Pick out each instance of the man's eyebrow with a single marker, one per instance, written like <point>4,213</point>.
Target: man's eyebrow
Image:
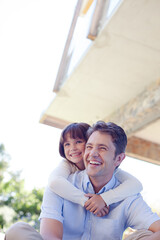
<point>99,145</point>
<point>103,145</point>
<point>88,143</point>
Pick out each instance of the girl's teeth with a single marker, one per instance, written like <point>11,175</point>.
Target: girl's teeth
<point>75,154</point>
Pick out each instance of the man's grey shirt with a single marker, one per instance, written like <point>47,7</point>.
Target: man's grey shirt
<point>81,224</point>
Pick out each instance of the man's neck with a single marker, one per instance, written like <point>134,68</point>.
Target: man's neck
<point>98,183</point>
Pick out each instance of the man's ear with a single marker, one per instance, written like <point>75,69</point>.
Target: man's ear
<point>119,158</point>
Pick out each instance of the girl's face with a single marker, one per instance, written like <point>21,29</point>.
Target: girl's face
<point>74,150</point>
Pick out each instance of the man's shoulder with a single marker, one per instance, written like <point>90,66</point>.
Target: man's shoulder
<point>133,198</point>
<point>135,203</point>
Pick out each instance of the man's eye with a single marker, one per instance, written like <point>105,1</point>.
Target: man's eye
<point>103,148</point>
<point>88,147</point>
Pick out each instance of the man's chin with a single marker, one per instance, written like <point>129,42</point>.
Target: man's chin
<point>91,172</point>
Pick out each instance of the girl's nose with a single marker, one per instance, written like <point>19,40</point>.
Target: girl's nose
<point>73,146</point>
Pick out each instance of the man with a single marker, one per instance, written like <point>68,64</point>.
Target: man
<point>105,150</point>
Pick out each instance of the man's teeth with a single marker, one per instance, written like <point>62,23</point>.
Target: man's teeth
<point>93,162</point>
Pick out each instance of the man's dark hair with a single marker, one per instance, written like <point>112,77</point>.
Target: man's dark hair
<point>117,133</point>
<point>76,130</point>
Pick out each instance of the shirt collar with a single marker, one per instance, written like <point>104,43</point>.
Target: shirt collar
<point>88,186</point>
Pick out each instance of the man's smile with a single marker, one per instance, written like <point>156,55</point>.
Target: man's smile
<point>95,163</point>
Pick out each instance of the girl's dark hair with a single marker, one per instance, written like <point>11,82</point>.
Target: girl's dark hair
<point>117,133</point>
<point>76,130</point>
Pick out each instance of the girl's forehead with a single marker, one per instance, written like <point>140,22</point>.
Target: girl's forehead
<point>70,136</point>
<point>67,136</point>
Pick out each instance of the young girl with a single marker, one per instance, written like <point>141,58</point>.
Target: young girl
<point>71,147</point>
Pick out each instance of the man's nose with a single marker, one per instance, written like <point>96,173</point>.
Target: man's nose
<point>94,152</point>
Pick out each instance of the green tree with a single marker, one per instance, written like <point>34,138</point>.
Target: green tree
<point>16,203</point>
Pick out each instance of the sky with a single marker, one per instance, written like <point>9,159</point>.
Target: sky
<point>32,39</point>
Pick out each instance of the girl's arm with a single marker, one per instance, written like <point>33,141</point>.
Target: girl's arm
<point>59,184</point>
<point>128,187</point>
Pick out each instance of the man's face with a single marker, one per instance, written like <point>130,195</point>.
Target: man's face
<point>99,157</point>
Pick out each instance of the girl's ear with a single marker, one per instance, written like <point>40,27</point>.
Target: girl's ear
<point>120,157</point>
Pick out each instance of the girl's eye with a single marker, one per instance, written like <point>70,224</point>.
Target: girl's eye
<point>66,144</point>
<point>79,141</point>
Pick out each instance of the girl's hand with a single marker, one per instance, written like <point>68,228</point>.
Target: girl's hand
<point>103,212</point>
<point>96,205</point>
